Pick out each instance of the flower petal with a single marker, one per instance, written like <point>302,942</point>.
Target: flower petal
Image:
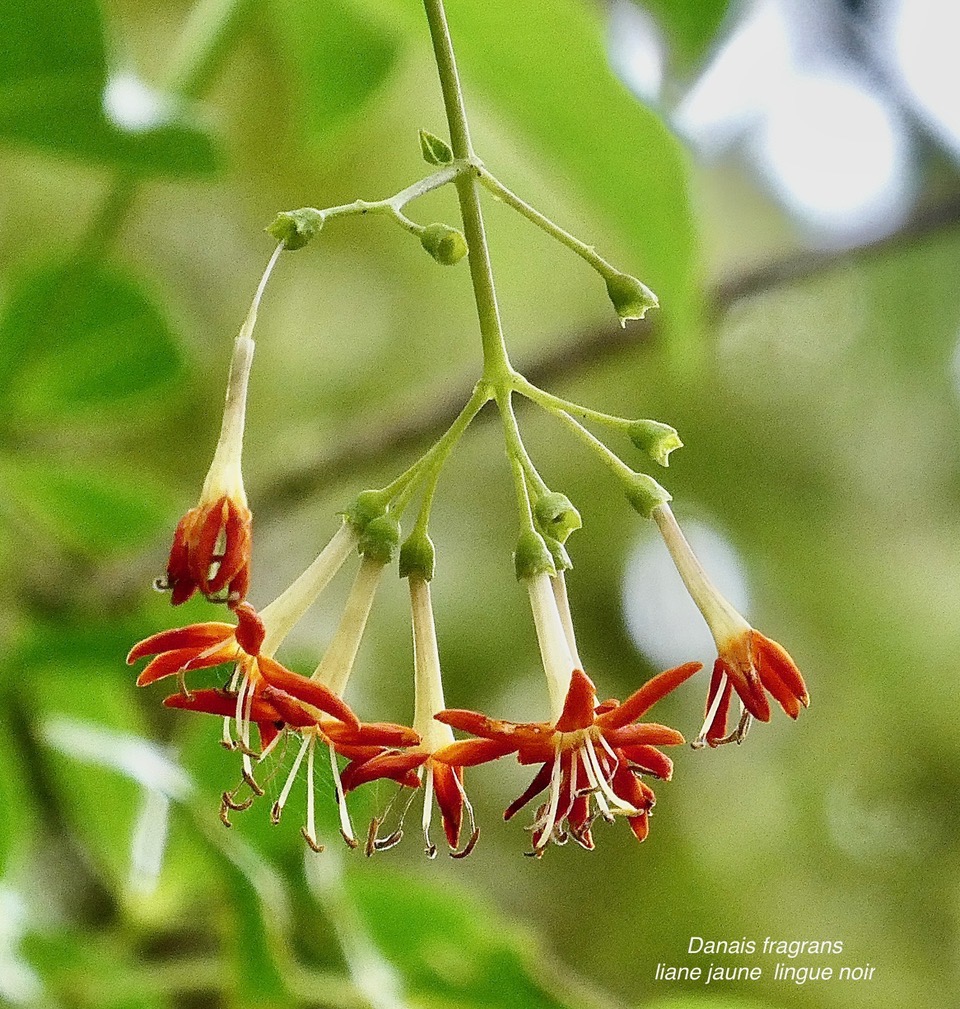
<point>448,788</point>
<point>309,691</point>
<point>639,702</point>
<point>182,660</point>
<point>470,752</point>
<point>644,733</point>
<point>579,704</point>
<point>196,636</point>
<point>540,781</point>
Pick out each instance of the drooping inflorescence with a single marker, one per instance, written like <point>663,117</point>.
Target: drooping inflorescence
<point>594,757</point>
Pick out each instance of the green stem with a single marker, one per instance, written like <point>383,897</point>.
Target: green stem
<point>497,369</point>
<point>209,34</point>
<point>432,461</point>
<point>584,251</point>
<point>520,461</point>
<point>556,405</point>
<point>609,458</point>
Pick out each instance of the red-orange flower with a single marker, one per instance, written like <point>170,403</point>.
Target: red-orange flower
<point>198,646</point>
<point>752,665</point>
<point>594,752</point>
<point>211,552</point>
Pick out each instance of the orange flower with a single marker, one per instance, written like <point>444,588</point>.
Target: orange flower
<point>211,552</point>
<point>591,753</point>
<point>747,661</point>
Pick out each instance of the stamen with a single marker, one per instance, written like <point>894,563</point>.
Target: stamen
<point>277,809</point>
<point>346,828</point>
<point>740,732</point>
<point>430,848</point>
<point>309,832</point>
<point>604,786</point>
<point>474,829</point>
<point>701,741</point>
<point>547,832</point>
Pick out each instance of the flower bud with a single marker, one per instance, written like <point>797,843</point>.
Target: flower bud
<point>434,150</point>
<point>561,559</point>
<point>556,517</point>
<point>417,556</point>
<point>380,539</point>
<point>366,506</point>
<point>645,494</point>
<point>445,244</point>
<point>296,228</point>
<point>630,297</point>
<point>656,439</point>
<point>532,556</point>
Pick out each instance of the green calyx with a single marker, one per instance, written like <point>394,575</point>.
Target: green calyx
<point>556,517</point>
<point>645,494</point>
<point>532,556</point>
<point>296,228</point>
<point>417,556</point>
<point>434,150</point>
<point>380,539</point>
<point>631,298</point>
<point>445,244</point>
<point>656,439</point>
<point>561,559</point>
<point>365,507</point>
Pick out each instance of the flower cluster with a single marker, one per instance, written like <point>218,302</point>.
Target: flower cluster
<point>594,758</point>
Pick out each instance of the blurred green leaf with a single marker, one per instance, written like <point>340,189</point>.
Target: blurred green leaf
<point>622,158</point>
<point>691,25</point>
<point>55,93</point>
<point>80,338</point>
<point>340,58</point>
<point>88,971</point>
<point>454,951</point>
<point>706,1002</point>
<point>84,509</point>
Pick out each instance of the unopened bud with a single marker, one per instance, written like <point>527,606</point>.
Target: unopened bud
<point>556,516</point>
<point>561,559</point>
<point>445,244</point>
<point>645,494</point>
<point>366,506</point>
<point>380,539</point>
<point>656,439</point>
<point>532,556</point>
<point>296,228</point>
<point>434,150</point>
<point>417,556</point>
<point>630,297</point>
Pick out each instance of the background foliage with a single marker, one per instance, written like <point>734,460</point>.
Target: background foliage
<point>144,148</point>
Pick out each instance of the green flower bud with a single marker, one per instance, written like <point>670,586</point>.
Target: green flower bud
<point>380,539</point>
<point>366,506</point>
<point>417,556</point>
<point>296,228</point>
<point>434,150</point>
<point>556,516</point>
<point>445,244</point>
<point>561,559</point>
<point>532,556</point>
<point>656,439</point>
<point>630,297</point>
<point>645,494</point>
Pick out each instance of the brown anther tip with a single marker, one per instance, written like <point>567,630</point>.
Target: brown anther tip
<point>228,745</point>
<point>252,782</point>
<point>276,811</point>
<point>386,843</point>
<point>350,841</point>
<point>698,744</point>
<point>312,843</point>
<point>243,748</point>
<point>228,800</point>
<point>430,851</point>
<point>225,816</point>
<point>469,846</point>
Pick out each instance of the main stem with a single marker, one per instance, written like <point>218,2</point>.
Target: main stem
<point>497,369</point>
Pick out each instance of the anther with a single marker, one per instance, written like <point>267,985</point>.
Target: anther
<point>312,843</point>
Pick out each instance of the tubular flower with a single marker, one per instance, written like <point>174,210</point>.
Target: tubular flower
<point>747,662</point>
<point>212,542</point>
<point>423,764</point>
<point>591,753</point>
<point>200,646</point>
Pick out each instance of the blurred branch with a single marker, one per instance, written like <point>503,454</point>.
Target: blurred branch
<point>390,435</point>
<point>209,33</point>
